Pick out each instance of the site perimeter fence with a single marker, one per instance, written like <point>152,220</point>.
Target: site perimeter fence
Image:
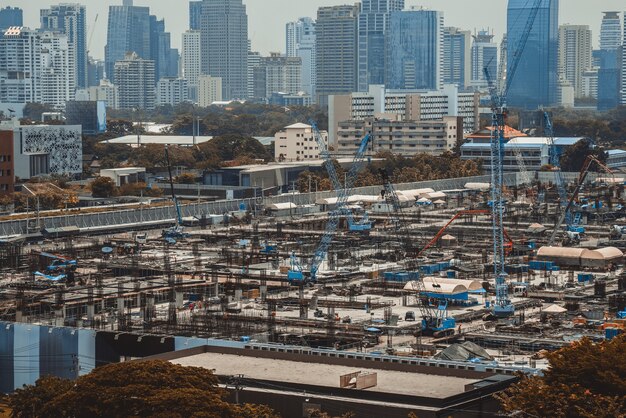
<point>165,214</point>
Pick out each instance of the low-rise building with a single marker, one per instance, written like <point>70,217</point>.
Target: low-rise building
<point>91,115</point>
<point>297,143</point>
<point>406,138</point>
<point>126,175</point>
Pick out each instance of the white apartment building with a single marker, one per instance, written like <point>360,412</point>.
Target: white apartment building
<point>575,45</point>
<point>20,66</point>
<point>191,61</point>
<point>590,83</point>
<point>105,92</point>
<point>209,90</point>
<point>135,81</point>
<point>406,138</point>
<point>410,105</point>
<point>58,69</point>
<point>172,91</point>
<point>297,143</point>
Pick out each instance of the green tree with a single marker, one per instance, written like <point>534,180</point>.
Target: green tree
<point>575,156</point>
<point>584,380</point>
<point>133,389</point>
<point>103,187</point>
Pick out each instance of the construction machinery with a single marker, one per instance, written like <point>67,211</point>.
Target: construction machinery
<point>503,307</point>
<point>364,224</point>
<point>177,231</point>
<point>297,274</point>
<point>435,320</point>
<point>572,236</point>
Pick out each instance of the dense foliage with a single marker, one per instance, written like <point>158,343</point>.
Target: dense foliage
<point>146,389</point>
<point>584,380</point>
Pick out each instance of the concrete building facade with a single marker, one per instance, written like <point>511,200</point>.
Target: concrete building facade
<point>575,45</point>
<point>70,19</point>
<point>105,92</point>
<point>484,53</point>
<point>135,82</point>
<point>300,42</point>
<point>402,137</point>
<point>58,69</point>
<point>297,143</point>
<point>336,49</point>
<point>409,105</point>
<point>20,66</point>
<point>190,60</point>
<point>209,90</point>
<point>172,91</point>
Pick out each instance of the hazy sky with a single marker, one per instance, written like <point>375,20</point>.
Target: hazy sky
<point>267,18</point>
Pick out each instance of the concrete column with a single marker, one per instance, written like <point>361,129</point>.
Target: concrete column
<point>263,292</point>
<point>238,295</point>
<point>179,298</point>
<point>120,306</point>
<point>59,316</point>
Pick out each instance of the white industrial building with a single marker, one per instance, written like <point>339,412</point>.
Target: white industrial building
<point>410,105</point>
<point>127,175</point>
<point>297,143</point>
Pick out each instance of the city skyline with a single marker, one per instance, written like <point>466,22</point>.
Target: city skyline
<point>270,38</point>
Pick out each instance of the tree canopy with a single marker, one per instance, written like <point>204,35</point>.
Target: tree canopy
<point>584,380</point>
<point>146,389</point>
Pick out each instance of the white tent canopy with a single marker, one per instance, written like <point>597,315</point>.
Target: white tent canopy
<point>477,186</point>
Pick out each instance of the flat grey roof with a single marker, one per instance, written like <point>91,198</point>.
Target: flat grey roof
<point>319,374</point>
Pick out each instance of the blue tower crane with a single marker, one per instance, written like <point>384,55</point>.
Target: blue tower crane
<point>297,273</point>
<point>364,224</point>
<point>503,306</point>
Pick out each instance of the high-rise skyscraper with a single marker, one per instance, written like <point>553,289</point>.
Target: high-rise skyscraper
<point>609,58</point>
<point>128,31</point>
<point>135,79</point>
<point>623,99</point>
<point>70,19</point>
<point>11,16</point>
<point>20,66</point>
<point>484,54</point>
<point>190,61</point>
<point>300,42</point>
<point>372,28</point>
<point>224,35</point>
<point>415,50</point>
<point>57,82</point>
<point>457,57</point>
<point>164,56</point>
<point>195,10</point>
<point>611,31</point>
<point>574,55</point>
<point>277,74</point>
<point>336,48</point>
<point>535,83</point>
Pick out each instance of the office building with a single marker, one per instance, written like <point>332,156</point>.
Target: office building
<point>336,49</point>
<point>172,91</point>
<point>408,105</point>
<point>195,11</point>
<point>164,56</point>
<point>297,143</point>
<point>484,55</point>
<point>277,74</point>
<point>611,31</point>
<point>401,137</point>
<point>590,83</point>
<point>535,82</point>
<point>91,115</point>
<point>415,50</point>
<point>300,42</point>
<point>128,31</point>
<point>95,72</point>
<point>105,92</point>
<point>10,17</point>
<point>609,61</point>
<point>57,82</point>
<point>254,64</point>
<point>70,19</point>
<point>20,66</point>
<point>190,61</point>
<point>209,90</point>
<point>224,54</point>
<point>135,83</point>
<point>371,31</point>
<point>457,57</point>
<point>575,47</point>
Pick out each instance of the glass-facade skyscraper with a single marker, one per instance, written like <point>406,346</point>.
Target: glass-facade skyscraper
<point>195,11</point>
<point>536,81</point>
<point>415,50</point>
<point>128,31</point>
<point>70,19</point>
<point>484,54</point>
<point>224,36</point>
<point>610,60</point>
<point>457,57</point>
<point>300,42</point>
<point>11,16</point>
<point>372,28</point>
